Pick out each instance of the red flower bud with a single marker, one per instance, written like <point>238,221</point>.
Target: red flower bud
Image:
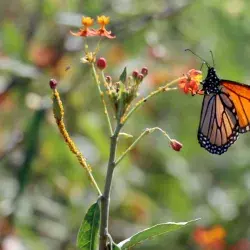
<point>53,83</point>
<point>144,71</point>
<point>101,63</point>
<point>140,77</point>
<point>135,74</point>
<point>175,145</point>
<point>108,79</point>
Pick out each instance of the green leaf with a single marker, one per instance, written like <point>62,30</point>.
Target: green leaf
<point>151,232</point>
<point>87,238</point>
<point>12,39</point>
<point>31,149</point>
<point>115,246</point>
<point>126,135</point>
<point>123,76</point>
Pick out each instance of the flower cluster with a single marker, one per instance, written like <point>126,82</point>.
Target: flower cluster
<point>215,239</point>
<point>124,91</point>
<point>87,22</point>
<point>210,239</point>
<point>190,82</point>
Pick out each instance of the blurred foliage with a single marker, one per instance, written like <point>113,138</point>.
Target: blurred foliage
<point>150,186</point>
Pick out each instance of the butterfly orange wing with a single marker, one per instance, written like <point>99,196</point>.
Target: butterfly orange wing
<point>240,96</point>
<point>218,128</point>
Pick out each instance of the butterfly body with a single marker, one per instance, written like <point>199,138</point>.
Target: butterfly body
<point>211,83</point>
<point>225,113</point>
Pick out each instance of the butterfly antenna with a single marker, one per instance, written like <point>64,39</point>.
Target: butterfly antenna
<point>202,65</point>
<point>212,57</point>
<point>204,61</point>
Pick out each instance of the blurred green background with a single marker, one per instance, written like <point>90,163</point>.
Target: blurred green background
<point>44,194</point>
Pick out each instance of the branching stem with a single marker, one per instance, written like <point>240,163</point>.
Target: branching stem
<point>143,100</point>
<point>144,133</point>
<point>121,119</point>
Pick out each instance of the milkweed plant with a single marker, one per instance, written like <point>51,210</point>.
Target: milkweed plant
<point>119,98</point>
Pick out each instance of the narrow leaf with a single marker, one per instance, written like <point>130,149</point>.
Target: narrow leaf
<point>151,232</point>
<point>12,39</point>
<point>87,238</point>
<point>31,149</point>
<point>123,76</point>
<point>115,246</point>
<point>126,135</point>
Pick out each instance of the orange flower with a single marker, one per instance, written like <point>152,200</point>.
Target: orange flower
<point>103,21</point>
<point>190,82</point>
<point>85,31</point>
<point>210,239</point>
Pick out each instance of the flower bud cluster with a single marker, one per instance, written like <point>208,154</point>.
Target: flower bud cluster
<point>124,91</point>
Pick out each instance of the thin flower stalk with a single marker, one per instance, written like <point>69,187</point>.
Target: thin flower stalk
<point>59,114</point>
<point>104,80</point>
<point>144,133</point>
<point>102,97</point>
<point>164,88</point>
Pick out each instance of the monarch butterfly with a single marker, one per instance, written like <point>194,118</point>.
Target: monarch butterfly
<point>225,112</point>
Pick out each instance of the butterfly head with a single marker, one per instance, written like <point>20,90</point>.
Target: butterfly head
<point>212,82</point>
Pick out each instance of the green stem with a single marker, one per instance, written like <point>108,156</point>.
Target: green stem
<point>102,97</point>
<point>146,132</point>
<point>105,201</point>
<point>143,100</point>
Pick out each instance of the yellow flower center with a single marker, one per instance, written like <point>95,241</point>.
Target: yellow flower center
<point>87,21</point>
<point>103,20</point>
<point>198,78</point>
